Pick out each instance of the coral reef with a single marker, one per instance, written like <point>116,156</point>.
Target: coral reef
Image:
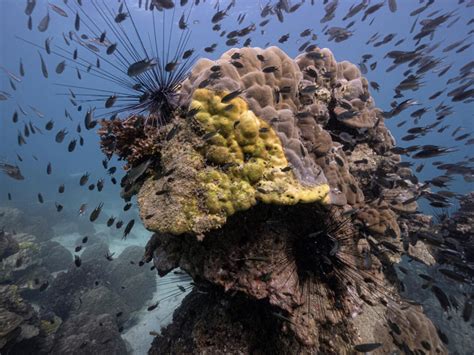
<point>276,186</point>
<point>131,138</point>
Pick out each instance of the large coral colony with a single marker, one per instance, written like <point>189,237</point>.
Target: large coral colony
<point>265,188</point>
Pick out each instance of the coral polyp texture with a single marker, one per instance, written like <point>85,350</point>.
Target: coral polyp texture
<point>233,160</point>
<point>276,189</point>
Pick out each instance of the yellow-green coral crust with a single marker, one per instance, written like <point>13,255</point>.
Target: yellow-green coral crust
<point>235,161</point>
<point>252,162</point>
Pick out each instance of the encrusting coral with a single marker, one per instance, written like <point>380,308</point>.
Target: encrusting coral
<point>270,186</point>
<point>221,161</point>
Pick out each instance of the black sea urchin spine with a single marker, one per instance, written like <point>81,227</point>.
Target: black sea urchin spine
<point>146,76</point>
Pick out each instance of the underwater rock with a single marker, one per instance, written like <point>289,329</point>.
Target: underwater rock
<point>134,283</point>
<point>64,293</point>
<point>14,220</point>
<point>89,334</point>
<point>101,300</point>
<point>95,254</point>
<point>91,240</point>
<point>55,257</point>
<point>276,182</point>
<point>18,320</point>
<point>210,324</point>
<point>100,286</point>
<point>8,245</point>
<point>25,267</point>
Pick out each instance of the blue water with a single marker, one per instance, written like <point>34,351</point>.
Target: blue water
<point>44,94</point>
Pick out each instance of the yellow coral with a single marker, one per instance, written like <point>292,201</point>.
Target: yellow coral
<point>237,161</point>
<point>256,168</point>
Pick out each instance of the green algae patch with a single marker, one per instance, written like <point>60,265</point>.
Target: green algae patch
<point>224,160</point>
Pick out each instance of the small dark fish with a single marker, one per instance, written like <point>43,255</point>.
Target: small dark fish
<point>119,224</point>
<point>44,69</point>
<point>77,260</point>
<point>44,23</point>
<point>270,69</point>
<point>61,188</point>
<point>77,22</point>
<point>237,64</point>
<point>122,16</point>
<point>58,10</point>
<point>218,16</point>
<point>100,184</point>
<point>78,248</point>
<point>140,67</point>
<point>188,53</point>
<point>110,101</point>
<point>231,96</point>
<point>60,67</point>
<point>171,66</point>
<point>182,23</point>
<point>467,310</point>
<point>22,68</point>
<point>375,85</point>
<point>128,228</point>
<point>96,212</point>
<point>89,121</point>
<point>40,198</point>
<point>72,145</point>
<point>83,180</point>
<point>284,38</point>
<point>109,257</point>
<point>209,135</point>
<point>60,136</point>
<point>59,207</point>
<point>364,348</point>
<point>372,9</point>
<point>12,171</point>
<point>441,296</point>
<point>111,49</point>
<point>30,6</point>
<point>392,5</point>
<point>49,169</point>
<point>153,306</point>
<point>110,221</point>
<point>44,286</point>
<point>49,125</point>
